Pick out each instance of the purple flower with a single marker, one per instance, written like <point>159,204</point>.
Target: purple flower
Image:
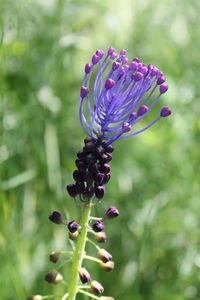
<point>120,97</point>
<point>111,213</point>
<point>56,217</point>
<point>98,226</point>
<point>72,226</point>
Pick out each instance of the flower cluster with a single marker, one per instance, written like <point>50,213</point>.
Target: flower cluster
<point>120,97</point>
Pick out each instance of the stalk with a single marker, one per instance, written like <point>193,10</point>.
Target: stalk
<point>79,253</point>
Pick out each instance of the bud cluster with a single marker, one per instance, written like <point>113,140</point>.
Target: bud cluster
<point>93,170</point>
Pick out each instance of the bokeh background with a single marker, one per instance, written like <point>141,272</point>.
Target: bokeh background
<point>44,45</point>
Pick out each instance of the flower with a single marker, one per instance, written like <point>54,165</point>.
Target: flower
<point>120,97</point>
<point>72,226</point>
<point>56,217</point>
<point>111,213</point>
<point>98,226</point>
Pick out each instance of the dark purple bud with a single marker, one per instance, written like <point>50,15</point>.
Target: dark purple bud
<point>123,52</point>
<point>99,150</point>
<point>71,188</point>
<point>111,50</point>
<point>106,178</point>
<point>54,257</point>
<point>99,192</point>
<point>104,255</point>
<point>84,92</point>
<point>95,59</point>
<point>72,226</point>
<point>105,168</point>
<point>143,70</point>
<point>88,176</point>
<point>108,266</point>
<point>161,80</point>
<point>88,193</point>
<point>96,287</point>
<point>78,175</point>
<point>165,112</point>
<point>93,169</point>
<point>99,177</point>
<point>88,68</point>
<point>126,127</point>
<point>109,83</point>
<point>53,277</point>
<point>80,165</point>
<point>101,237</point>
<point>109,148</point>
<point>105,158</point>
<point>138,76</point>
<point>136,59</point>
<point>84,275</point>
<point>56,218</point>
<point>111,213</point>
<point>81,154</point>
<point>88,140</point>
<point>80,188</point>
<point>163,88</point>
<point>90,159</point>
<point>100,53</point>
<point>143,109</point>
<point>115,65</point>
<point>98,226</point>
<point>132,116</point>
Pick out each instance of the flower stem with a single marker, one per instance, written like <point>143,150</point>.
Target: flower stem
<point>88,294</point>
<point>79,253</point>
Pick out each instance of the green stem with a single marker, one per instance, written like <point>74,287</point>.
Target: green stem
<point>79,253</point>
<point>92,258</point>
<point>88,294</point>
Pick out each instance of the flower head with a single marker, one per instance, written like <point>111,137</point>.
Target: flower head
<point>120,97</point>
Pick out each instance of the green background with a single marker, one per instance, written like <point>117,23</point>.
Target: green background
<point>44,46</point>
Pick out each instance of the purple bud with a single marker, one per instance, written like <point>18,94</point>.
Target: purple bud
<point>100,53</point>
<point>96,287</point>
<point>88,193</point>
<point>88,68</point>
<point>110,51</point>
<point>115,65</point>
<point>53,277</point>
<point>84,92</point>
<point>111,213</point>
<point>143,109</point>
<point>104,255</point>
<point>143,70</point>
<point>88,176</point>
<point>132,116</point>
<point>80,164</point>
<point>113,56</point>
<point>99,192</point>
<point>56,218</point>
<point>105,168</point>
<point>84,275</point>
<point>109,83</point>
<point>163,88</point>
<point>165,112</point>
<point>136,59</point>
<point>98,226</point>
<point>123,52</point>
<point>161,80</point>
<point>95,59</point>
<point>71,188</point>
<point>137,76</point>
<point>81,154</point>
<point>133,65</point>
<point>98,178</point>
<point>72,226</point>
<point>126,127</point>
<point>109,148</point>
<point>106,178</point>
<point>80,188</point>
<point>78,175</point>
<point>124,59</point>
<point>108,266</point>
<point>105,158</point>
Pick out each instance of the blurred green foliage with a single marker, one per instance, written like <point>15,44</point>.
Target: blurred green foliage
<point>44,45</point>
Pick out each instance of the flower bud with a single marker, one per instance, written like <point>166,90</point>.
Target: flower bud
<point>72,226</point>
<point>104,255</point>
<point>88,193</point>
<point>56,218</point>
<point>34,297</point>
<point>73,235</point>
<point>71,189</point>
<point>99,192</point>
<point>108,266</point>
<point>53,277</point>
<point>98,226</point>
<point>101,237</point>
<point>96,287</point>
<point>54,256</point>
<point>84,275</point>
<point>111,213</point>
